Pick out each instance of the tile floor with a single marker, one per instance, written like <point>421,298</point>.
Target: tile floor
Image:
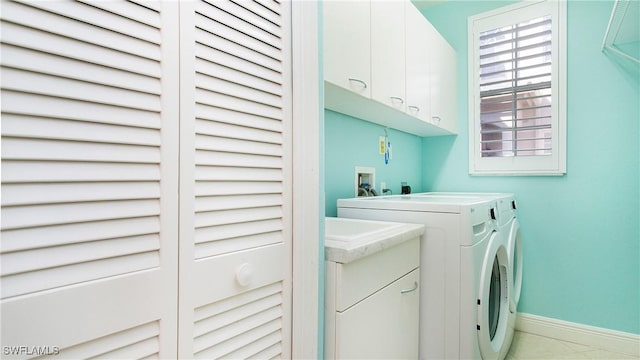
<point>529,346</point>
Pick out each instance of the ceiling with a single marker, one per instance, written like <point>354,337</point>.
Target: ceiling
<point>423,4</point>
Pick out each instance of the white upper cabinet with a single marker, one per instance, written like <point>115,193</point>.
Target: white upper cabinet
<point>378,67</point>
<point>347,45</point>
<point>442,75</point>
<point>387,53</point>
<point>417,64</point>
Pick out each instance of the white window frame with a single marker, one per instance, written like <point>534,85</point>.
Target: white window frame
<point>554,164</point>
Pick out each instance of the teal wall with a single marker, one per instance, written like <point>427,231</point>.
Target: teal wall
<point>351,142</point>
<point>581,231</point>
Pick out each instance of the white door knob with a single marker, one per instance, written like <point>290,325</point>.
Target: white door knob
<point>244,274</point>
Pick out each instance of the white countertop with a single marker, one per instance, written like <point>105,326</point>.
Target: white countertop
<point>347,240</point>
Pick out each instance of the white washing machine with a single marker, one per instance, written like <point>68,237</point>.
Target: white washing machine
<point>464,303</point>
<point>509,230</point>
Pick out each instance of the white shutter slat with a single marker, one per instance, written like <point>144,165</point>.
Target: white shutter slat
<point>42,84</point>
<point>88,13</point>
<point>33,238</point>
<point>138,350</point>
<point>222,306</point>
<point>241,80</point>
<point>224,59</point>
<point>31,282</point>
<point>236,231</point>
<point>232,315</point>
<point>228,348</point>
<point>131,10</point>
<point>256,27</point>
<point>149,4</point>
<point>61,25</point>
<point>272,352</point>
<point>60,108</point>
<point>51,193</point>
<point>272,5</point>
<point>40,40</point>
<point>237,131</point>
<point>224,101</point>
<point>227,173</point>
<point>44,215</point>
<point>244,91</point>
<point>238,160</point>
<point>227,116</point>
<point>42,171</point>
<point>231,28</point>
<point>207,142</point>
<point>45,258</point>
<point>208,39</point>
<point>264,13</point>
<point>237,216</point>
<point>101,346</point>
<point>48,128</point>
<point>218,188</point>
<point>213,202</point>
<point>234,329</point>
<point>36,149</point>
<point>36,61</point>
<point>224,327</point>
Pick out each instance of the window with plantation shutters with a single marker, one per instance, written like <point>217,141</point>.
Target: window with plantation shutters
<point>516,85</point>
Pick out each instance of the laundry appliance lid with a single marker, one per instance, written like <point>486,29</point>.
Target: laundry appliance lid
<point>444,204</point>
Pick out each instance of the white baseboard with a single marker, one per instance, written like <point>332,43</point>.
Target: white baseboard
<point>601,338</point>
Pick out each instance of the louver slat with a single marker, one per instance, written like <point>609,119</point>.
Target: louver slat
<point>239,328</point>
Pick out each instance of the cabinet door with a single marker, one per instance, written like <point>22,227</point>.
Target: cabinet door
<point>443,82</point>
<point>235,180</point>
<point>417,63</point>
<point>89,176</point>
<point>387,53</point>
<point>347,45</point>
<point>384,325</point>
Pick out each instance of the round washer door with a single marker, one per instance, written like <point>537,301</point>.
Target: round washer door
<point>493,307</point>
<point>515,261</point>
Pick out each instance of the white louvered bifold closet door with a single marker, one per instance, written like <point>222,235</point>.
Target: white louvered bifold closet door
<point>89,178</point>
<point>235,182</point>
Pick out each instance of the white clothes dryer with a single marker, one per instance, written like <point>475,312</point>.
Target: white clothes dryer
<point>464,303</point>
<point>509,230</point>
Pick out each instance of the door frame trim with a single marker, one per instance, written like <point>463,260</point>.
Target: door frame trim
<point>308,207</point>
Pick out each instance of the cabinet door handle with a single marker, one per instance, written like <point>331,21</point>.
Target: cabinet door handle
<point>415,108</point>
<point>359,82</point>
<point>414,288</point>
<point>436,119</point>
<point>397,98</point>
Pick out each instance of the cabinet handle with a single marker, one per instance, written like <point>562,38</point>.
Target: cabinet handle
<point>417,109</point>
<point>397,98</point>
<point>359,82</point>
<point>415,287</point>
<point>436,119</point>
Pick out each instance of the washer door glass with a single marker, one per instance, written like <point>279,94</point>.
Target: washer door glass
<point>495,294</point>
<point>515,258</point>
<point>493,302</point>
